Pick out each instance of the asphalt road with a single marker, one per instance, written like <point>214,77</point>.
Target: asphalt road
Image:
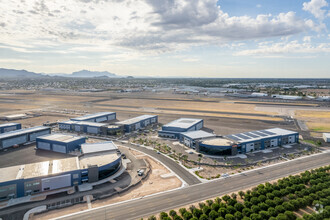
<point>154,204</point>
<point>189,178</point>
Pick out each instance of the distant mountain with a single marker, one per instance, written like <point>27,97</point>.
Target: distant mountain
<point>11,73</point>
<point>87,73</point>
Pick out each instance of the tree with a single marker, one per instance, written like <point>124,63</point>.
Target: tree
<point>217,200</point>
<point>255,209</point>
<point>231,209</point>
<point>288,206</point>
<point>264,214</point>
<point>238,215</point>
<point>290,215</point>
<point>209,202</point>
<point>279,209</point>
<point>241,194</point>
<point>180,154</point>
<point>204,217</point>
<point>262,198</point>
<point>263,206</point>
<point>229,217</point>
<point>239,207</point>
<point>231,202</point>
<point>213,215</point>
<point>281,216</point>
<point>246,212</point>
<point>206,210</point>
<point>254,201</point>
<point>225,198</point>
<point>197,213</point>
<point>222,212</point>
<point>182,211</point>
<point>152,218</point>
<point>272,211</point>
<point>215,206</point>
<point>255,216</point>
<point>163,215</point>
<point>248,204</point>
<point>176,217</point>
<point>270,203</point>
<point>234,195</point>
<point>172,213</point>
<point>187,216</point>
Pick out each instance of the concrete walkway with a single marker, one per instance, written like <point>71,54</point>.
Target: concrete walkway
<point>34,210</point>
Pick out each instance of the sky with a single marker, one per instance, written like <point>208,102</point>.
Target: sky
<point>168,38</point>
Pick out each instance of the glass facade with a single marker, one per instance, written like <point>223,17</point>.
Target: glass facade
<point>216,150</point>
<point>104,173</point>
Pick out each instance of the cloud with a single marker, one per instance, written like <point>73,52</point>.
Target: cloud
<point>150,25</point>
<point>258,6</point>
<point>293,47</point>
<point>5,61</point>
<point>315,8</point>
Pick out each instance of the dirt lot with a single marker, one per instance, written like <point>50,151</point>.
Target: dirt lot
<point>318,121</point>
<point>152,184</point>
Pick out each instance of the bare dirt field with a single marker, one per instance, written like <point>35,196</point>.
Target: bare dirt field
<point>318,121</point>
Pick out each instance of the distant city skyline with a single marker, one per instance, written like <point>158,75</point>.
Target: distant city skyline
<point>188,38</point>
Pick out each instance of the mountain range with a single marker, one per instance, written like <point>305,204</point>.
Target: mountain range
<point>12,73</point>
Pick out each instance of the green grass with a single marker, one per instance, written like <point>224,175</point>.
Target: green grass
<point>319,129</point>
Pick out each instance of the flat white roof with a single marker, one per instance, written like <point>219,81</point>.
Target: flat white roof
<point>65,138</point>
<point>327,135</point>
<point>95,124</point>
<point>198,134</point>
<point>22,131</point>
<point>95,115</point>
<point>136,119</point>
<point>8,124</point>
<point>98,147</point>
<point>39,169</point>
<point>183,122</point>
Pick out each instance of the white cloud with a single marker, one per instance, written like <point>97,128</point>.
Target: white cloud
<point>284,48</point>
<point>5,61</point>
<point>190,60</point>
<point>258,6</point>
<point>153,26</point>
<point>315,8</point>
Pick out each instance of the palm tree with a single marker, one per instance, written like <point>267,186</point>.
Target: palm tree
<point>180,155</point>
